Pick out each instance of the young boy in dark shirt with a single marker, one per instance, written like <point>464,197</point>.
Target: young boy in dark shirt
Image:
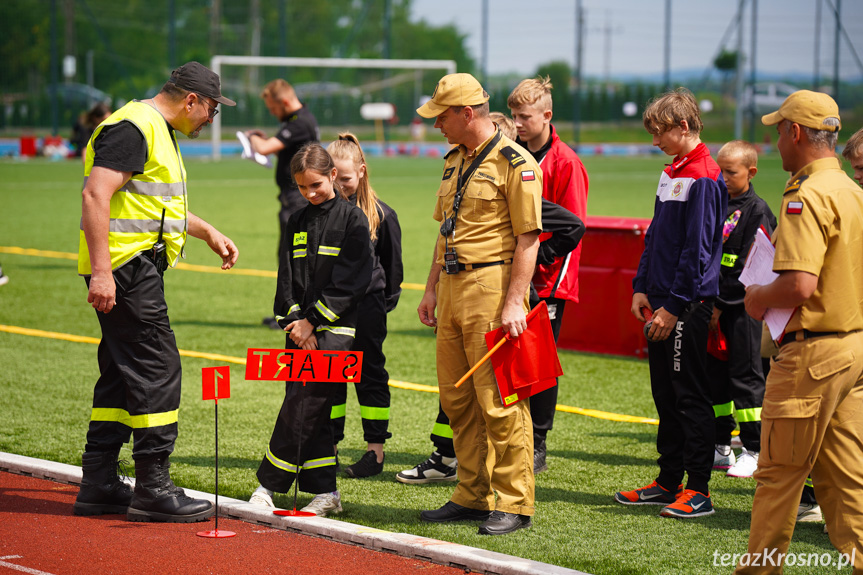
<point>739,381</point>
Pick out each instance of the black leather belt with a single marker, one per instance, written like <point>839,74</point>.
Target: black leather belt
<point>789,337</point>
<point>463,267</point>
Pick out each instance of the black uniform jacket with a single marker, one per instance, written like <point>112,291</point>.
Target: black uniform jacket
<point>754,213</point>
<point>566,231</point>
<point>328,268</point>
<point>389,271</point>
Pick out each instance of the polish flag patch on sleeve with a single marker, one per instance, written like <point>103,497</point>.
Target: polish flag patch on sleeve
<point>794,208</point>
<point>528,176</point>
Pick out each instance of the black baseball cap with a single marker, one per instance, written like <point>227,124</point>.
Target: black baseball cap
<point>195,77</point>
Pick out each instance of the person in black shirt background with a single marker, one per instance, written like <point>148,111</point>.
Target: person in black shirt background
<point>298,127</point>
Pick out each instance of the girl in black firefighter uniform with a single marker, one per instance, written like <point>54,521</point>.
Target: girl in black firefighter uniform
<point>321,280</point>
<point>373,392</point>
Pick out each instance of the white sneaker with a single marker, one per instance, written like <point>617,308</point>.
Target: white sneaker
<point>736,442</point>
<point>325,503</point>
<point>746,464</point>
<point>262,497</point>
<point>434,469</point>
<point>809,513</point>
<point>723,457</point>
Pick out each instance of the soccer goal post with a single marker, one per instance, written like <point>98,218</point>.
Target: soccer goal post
<point>217,62</point>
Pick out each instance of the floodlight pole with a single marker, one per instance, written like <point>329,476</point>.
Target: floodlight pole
<point>55,112</point>
<point>576,99</point>
<point>752,71</point>
<point>838,11</point>
<point>667,54</point>
<point>738,88</point>
<point>217,61</point>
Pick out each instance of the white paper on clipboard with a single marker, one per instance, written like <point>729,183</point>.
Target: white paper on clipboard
<point>249,154</point>
<point>758,270</point>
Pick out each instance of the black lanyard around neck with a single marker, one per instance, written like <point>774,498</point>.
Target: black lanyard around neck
<point>463,179</point>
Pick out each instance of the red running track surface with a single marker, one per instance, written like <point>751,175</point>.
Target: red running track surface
<point>40,535</point>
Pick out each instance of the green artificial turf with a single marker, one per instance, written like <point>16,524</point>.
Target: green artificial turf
<point>46,384</point>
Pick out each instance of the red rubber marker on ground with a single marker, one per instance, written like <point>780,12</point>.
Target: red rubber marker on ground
<point>216,385</point>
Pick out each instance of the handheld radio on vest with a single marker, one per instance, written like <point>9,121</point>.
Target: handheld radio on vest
<point>159,251</point>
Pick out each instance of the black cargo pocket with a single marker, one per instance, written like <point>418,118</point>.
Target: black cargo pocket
<point>789,427</point>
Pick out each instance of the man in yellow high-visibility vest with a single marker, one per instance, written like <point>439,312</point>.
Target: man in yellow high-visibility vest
<point>134,224</point>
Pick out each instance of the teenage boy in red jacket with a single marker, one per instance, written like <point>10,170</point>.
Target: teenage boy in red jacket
<point>564,182</point>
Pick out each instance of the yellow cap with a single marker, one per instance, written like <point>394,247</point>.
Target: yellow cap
<point>453,90</point>
<point>811,109</point>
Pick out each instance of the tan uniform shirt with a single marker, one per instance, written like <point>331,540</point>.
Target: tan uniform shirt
<point>821,232</point>
<point>502,200</point>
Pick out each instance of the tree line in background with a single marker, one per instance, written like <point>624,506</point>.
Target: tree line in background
<point>125,50</point>
<point>128,49</point>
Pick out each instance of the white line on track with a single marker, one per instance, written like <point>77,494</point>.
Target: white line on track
<point>19,567</point>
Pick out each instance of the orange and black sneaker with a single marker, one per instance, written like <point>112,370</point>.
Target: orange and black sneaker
<point>653,494</point>
<point>690,504</point>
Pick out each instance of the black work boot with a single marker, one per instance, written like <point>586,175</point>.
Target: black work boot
<point>158,499</point>
<point>539,464</point>
<point>101,491</point>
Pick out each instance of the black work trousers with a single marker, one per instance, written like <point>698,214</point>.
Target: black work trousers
<point>373,391</point>
<point>302,439</point>
<point>740,379</point>
<point>138,391</point>
<point>681,392</point>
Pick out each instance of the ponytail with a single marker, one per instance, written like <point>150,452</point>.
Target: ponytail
<point>347,147</point>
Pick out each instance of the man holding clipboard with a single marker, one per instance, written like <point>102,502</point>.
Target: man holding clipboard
<point>812,417</point>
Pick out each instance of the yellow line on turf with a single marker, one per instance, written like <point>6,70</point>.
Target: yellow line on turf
<point>95,340</point>
<point>242,361</point>
<point>180,266</point>
<point>607,415</point>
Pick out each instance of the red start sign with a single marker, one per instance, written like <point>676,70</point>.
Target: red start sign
<point>300,365</point>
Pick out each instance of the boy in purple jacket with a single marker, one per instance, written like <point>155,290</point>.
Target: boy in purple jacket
<point>677,281</point>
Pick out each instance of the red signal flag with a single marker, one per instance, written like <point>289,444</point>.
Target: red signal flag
<point>526,365</point>
<point>216,382</point>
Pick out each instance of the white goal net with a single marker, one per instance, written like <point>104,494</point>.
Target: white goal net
<point>414,69</point>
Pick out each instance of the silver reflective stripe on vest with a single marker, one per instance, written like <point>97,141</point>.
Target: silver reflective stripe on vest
<point>153,188</point>
<point>148,188</point>
<point>146,226</point>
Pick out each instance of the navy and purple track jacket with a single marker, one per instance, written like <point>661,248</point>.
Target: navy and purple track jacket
<point>683,245</point>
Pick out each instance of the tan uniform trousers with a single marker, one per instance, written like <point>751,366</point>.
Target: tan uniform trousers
<point>493,443</point>
<point>812,419</point>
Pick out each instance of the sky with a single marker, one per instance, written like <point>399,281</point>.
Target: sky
<point>625,37</point>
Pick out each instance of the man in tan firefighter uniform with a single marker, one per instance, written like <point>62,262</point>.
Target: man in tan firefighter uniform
<point>488,204</point>
<point>812,417</point>
<point>134,224</point>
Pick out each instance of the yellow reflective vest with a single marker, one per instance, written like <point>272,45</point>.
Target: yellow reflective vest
<point>136,208</point>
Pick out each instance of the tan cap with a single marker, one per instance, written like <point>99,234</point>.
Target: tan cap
<point>453,90</point>
<point>811,109</point>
